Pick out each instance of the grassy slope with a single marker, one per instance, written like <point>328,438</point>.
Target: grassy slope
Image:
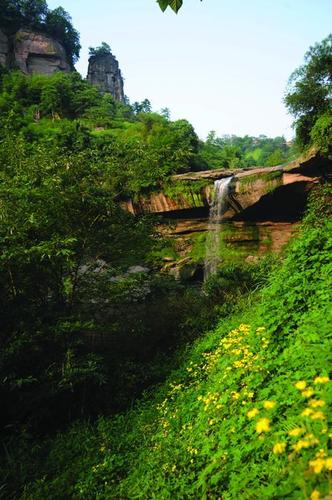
<point>231,423</point>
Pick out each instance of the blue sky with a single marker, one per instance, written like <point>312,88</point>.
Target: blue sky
<point>221,64</point>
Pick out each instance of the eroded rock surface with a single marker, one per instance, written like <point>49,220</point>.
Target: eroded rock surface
<point>263,191</point>
<point>104,73</point>
<point>38,53</point>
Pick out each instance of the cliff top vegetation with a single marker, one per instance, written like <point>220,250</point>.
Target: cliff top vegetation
<point>35,15</point>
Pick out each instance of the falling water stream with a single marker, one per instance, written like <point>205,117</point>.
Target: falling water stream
<point>213,240</point>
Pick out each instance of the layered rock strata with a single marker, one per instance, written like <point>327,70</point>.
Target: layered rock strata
<point>255,193</point>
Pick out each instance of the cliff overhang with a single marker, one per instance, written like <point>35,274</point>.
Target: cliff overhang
<point>267,193</point>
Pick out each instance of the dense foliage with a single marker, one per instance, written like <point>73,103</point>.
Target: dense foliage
<point>68,155</point>
<point>245,416</point>
<point>142,148</point>
<point>89,322</point>
<point>238,152</point>
<point>102,50</point>
<point>309,94</point>
<point>35,15</point>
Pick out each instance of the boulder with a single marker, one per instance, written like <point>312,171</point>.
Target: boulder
<point>184,269</point>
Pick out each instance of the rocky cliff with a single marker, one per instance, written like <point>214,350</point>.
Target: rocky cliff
<point>263,209</point>
<point>104,73</point>
<point>274,193</point>
<point>32,52</point>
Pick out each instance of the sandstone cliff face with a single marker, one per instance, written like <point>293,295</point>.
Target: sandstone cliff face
<point>104,73</point>
<point>38,53</point>
<point>32,52</point>
<point>255,194</point>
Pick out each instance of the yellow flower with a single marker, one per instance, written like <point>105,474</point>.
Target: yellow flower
<point>315,495</point>
<point>317,415</point>
<point>268,405</point>
<point>307,393</point>
<point>301,384</point>
<point>307,412</point>
<point>252,413</point>
<point>301,444</point>
<point>321,380</point>
<point>317,465</point>
<point>313,439</point>
<point>279,448</point>
<point>296,432</point>
<point>263,425</point>
<point>328,463</point>
<point>315,403</point>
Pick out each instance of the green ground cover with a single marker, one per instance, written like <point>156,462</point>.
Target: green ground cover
<point>247,414</point>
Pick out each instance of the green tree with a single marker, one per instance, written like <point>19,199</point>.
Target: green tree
<point>10,15</point>
<point>309,90</point>
<point>103,50</point>
<point>142,107</point>
<point>58,23</point>
<point>27,13</point>
<point>33,12</point>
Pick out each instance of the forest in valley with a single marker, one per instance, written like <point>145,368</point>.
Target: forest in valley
<point>119,380</point>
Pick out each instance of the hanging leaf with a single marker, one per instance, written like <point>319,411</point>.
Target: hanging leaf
<point>163,4</point>
<point>174,4</point>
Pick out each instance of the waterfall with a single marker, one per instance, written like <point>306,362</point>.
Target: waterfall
<point>218,208</point>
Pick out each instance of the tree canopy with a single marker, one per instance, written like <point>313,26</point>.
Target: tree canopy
<point>35,15</point>
<point>102,50</point>
<point>309,93</point>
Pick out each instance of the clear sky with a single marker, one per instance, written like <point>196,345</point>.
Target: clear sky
<point>221,64</point>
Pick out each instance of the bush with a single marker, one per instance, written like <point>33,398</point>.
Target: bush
<point>321,134</point>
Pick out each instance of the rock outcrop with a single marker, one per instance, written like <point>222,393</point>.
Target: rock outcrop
<point>269,193</point>
<point>32,52</point>
<point>104,73</point>
<point>264,208</point>
<point>38,53</point>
